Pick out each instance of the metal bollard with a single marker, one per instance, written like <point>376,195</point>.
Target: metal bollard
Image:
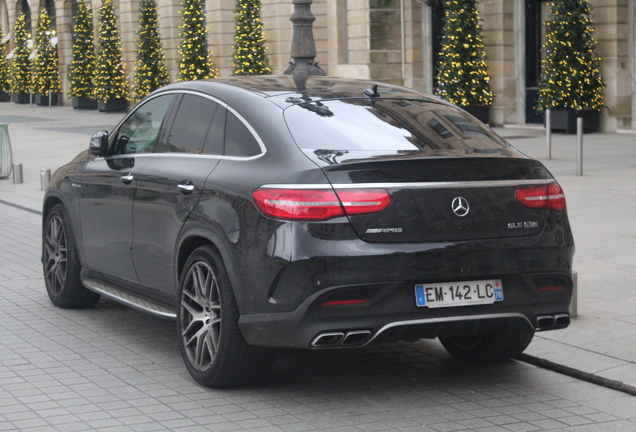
<point>17,174</point>
<point>579,140</point>
<point>45,178</point>
<point>548,133</point>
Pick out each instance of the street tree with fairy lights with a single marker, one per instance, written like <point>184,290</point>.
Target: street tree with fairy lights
<point>150,69</point>
<point>4,71</point>
<point>82,69</point>
<point>463,77</point>
<point>570,74</point>
<point>21,66</point>
<point>249,50</point>
<point>196,62</point>
<point>111,85</point>
<point>46,74</point>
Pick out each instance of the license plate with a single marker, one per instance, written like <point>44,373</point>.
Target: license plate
<point>458,293</point>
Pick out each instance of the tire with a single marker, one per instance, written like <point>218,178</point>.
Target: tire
<point>488,347</point>
<point>213,348</point>
<point>61,263</point>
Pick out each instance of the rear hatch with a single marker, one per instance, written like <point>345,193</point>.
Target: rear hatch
<point>448,176</point>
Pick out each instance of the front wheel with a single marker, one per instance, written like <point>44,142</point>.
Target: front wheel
<point>488,347</point>
<point>61,264</point>
<point>214,350</point>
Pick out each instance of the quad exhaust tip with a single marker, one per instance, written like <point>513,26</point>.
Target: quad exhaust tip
<point>341,339</point>
<point>552,322</point>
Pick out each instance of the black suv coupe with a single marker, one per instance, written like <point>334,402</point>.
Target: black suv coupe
<point>264,212</point>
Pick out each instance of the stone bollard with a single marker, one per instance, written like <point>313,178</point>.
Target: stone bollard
<point>45,178</point>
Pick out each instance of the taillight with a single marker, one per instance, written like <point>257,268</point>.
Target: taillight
<point>556,197</point>
<point>318,204</point>
<point>545,196</point>
<point>363,201</point>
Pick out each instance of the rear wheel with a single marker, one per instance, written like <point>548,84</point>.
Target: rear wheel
<point>61,264</point>
<point>486,347</point>
<point>213,348</point>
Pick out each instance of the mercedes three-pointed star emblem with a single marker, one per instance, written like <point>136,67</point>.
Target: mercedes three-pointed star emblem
<point>460,206</point>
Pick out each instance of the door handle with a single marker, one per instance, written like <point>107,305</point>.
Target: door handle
<point>186,187</point>
<point>127,178</point>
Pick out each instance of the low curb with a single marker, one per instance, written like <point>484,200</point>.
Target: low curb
<point>578,374</point>
<point>21,207</point>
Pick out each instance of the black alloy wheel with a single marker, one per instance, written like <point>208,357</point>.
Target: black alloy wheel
<point>213,348</point>
<point>61,263</point>
<point>488,347</point>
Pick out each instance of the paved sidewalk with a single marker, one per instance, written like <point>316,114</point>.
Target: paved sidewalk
<point>601,342</point>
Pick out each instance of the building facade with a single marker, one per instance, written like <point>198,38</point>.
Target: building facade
<point>392,41</point>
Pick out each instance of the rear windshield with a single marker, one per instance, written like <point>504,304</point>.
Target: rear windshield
<point>389,124</point>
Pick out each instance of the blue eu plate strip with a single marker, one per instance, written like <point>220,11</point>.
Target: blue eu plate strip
<point>420,298</point>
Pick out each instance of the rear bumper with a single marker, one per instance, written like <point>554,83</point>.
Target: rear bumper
<point>391,314</point>
<point>283,304</point>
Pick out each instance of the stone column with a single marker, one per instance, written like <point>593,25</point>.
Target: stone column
<point>221,28</point>
<point>127,12</point>
<point>611,21</point>
<point>499,38</point>
<point>12,9</point>
<point>64,31</point>
<point>413,45</point>
<point>169,22</point>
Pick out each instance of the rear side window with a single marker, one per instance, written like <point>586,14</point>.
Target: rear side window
<point>389,125</point>
<point>239,141</point>
<point>216,134</point>
<point>191,125</point>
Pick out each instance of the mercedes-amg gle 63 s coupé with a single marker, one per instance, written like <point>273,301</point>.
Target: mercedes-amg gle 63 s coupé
<point>264,212</point>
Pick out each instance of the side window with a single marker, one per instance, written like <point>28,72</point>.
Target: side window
<point>239,141</point>
<point>139,132</point>
<point>216,134</point>
<point>191,125</point>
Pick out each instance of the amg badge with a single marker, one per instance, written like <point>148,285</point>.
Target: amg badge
<point>383,230</point>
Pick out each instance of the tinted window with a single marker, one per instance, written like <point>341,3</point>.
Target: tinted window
<point>389,125</point>
<point>139,132</point>
<point>190,125</point>
<point>216,133</point>
<point>239,141</point>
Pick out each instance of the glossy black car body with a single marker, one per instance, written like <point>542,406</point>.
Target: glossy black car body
<point>463,206</point>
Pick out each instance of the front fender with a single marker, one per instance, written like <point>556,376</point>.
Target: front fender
<point>68,196</point>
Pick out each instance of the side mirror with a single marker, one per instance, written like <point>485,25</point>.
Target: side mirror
<point>99,144</point>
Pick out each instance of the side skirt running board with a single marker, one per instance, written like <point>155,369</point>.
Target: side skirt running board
<point>125,298</point>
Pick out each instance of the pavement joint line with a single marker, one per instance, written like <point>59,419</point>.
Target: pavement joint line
<point>578,374</point>
<point>21,207</point>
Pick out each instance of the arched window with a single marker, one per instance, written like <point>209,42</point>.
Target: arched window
<point>26,10</point>
<point>50,8</point>
<point>74,6</point>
